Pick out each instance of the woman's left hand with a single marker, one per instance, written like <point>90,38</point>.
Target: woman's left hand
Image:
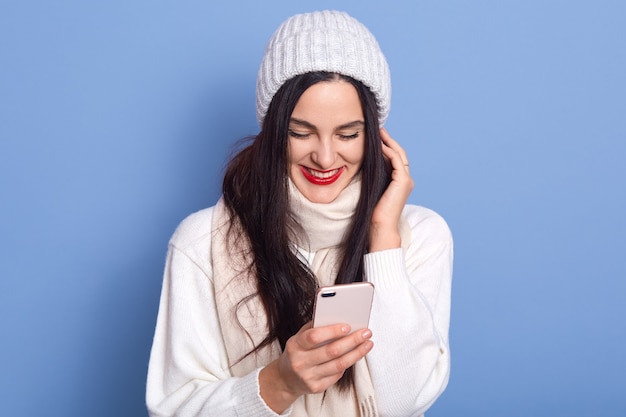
<point>384,230</point>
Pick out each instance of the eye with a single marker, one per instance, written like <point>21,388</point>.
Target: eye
<point>297,135</point>
<point>351,136</point>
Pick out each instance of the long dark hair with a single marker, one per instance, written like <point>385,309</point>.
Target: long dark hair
<point>255,190</point>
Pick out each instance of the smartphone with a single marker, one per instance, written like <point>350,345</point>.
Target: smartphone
<point>344,303</point>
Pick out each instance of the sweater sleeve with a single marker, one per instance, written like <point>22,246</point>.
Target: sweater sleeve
<point>188,372</point>
<point>410,362</point>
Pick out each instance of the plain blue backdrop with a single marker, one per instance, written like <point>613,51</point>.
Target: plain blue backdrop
<point>116,118</point>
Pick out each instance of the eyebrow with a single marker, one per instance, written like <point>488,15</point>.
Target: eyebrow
<point>304,123</point>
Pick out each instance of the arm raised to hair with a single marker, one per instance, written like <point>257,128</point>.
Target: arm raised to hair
<point>410,362</point>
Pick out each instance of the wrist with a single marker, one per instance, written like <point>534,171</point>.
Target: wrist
<point>383,238</point>
<point>273,389</point>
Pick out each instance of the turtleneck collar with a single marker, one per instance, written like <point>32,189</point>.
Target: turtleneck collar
<point>324,224</point>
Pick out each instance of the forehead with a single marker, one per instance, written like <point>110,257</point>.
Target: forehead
<point>334,102</point>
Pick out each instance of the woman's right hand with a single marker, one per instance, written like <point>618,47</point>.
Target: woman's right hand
<point>313,360</point>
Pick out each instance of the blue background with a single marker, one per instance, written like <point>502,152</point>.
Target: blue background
<point>116,120</point>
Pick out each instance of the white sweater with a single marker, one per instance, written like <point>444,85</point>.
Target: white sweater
<point>188,374</point>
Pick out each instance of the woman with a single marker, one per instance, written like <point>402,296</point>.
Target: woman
<point>318,197</point>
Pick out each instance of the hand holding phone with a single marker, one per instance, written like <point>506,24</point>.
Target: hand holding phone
<point>344,303</point>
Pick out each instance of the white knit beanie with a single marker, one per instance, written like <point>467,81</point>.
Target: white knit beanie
<point>323,41</point>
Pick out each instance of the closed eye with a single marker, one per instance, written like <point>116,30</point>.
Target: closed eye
<point>297,135</point>
<point>350,137</point>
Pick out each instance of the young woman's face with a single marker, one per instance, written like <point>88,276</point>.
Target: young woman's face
<point>326,140</point>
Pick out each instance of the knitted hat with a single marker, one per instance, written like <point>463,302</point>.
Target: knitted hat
<point>323,41</point>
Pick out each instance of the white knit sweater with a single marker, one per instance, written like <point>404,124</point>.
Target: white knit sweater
<point>188,373</point>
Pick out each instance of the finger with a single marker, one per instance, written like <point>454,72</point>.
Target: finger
<point>318,368</point>
<point>313,337</point>
<point>339,364</point>
<point>392,149</point>
<point>343,345</point>
<point>392,143</point>
<point>306,326</point>
<point>388,140</point>
<point>396,160</point>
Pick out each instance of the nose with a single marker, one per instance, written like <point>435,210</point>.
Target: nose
<point>324,154</point>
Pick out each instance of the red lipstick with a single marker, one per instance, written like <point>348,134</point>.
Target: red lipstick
<point>321,181</point>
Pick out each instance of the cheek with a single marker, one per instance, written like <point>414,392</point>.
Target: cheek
<point>292,153</point>
<point>298,150</point>
<point>354,154</point>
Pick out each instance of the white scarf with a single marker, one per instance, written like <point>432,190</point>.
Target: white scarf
<point>245,327</point>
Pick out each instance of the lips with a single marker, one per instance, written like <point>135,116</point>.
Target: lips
<point>322,177</point>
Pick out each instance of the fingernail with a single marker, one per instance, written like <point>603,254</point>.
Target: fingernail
<point>366,334</point>
<point>345,329</point>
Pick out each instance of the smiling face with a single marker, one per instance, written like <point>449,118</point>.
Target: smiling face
<point>326,140</point>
